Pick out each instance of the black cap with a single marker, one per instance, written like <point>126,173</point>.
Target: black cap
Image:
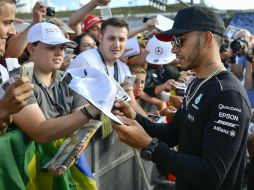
<point>196,18</point>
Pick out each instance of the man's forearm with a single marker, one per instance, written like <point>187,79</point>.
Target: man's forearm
<point>77,17</point>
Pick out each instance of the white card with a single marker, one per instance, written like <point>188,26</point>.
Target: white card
<point>164,23</point>
<point>132,44</point>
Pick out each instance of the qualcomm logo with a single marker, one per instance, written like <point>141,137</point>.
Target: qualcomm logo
<point>197,100</point>
<point>231,108</point>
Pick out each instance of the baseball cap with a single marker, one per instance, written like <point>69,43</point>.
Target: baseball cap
<point>96,86</point>
<point>48,33</point>
<point>196,18</point>
<point>159,52</point>
<point>89,21</point>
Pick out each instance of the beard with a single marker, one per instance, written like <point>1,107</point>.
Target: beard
<point>194,60</point>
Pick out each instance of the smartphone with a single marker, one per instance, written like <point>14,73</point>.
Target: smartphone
<point>145,19</point>
<point>21,26</point>
<point>156,118</point>
<point>27,70</point>
<point>68,51</point>
<point>105,12</point>
<point>130,79</point>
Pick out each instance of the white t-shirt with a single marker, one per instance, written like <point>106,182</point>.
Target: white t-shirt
<point>3,73</point>
<point>92,58</point>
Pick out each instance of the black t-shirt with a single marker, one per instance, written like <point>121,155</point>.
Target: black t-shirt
<point>211,134</point>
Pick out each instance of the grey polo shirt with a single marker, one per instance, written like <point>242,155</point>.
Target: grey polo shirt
<point>57,99</point>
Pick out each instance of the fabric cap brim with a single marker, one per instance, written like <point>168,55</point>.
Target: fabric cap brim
<point>58,41</point>
<point>159,61</point>
<point>167,36</point>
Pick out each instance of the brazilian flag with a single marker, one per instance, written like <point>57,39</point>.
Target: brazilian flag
<point>22,159</point>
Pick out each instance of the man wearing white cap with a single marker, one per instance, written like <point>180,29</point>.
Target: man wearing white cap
<point>54,111</point>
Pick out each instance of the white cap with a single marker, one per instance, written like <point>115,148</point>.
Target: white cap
<point>159,52</point>
<point>48,33</point>
<point>96,87</point>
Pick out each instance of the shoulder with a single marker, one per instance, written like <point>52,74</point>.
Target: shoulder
<point>85,59</point>
<point>227,85</point>
<point>90,52</point>
<point>122,65</point>
<point>227,81</point>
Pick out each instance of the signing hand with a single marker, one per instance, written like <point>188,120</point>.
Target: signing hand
<point>132,133</point>
<point>124,109</point>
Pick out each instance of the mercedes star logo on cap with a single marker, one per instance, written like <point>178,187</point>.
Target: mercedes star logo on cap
<point>158,50</point>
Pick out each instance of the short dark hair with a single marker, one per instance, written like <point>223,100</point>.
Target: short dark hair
<point>114,22</point>
<point>78,39</point>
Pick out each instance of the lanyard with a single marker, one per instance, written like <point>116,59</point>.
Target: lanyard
<point>106,68</point>
<point>61,106</point>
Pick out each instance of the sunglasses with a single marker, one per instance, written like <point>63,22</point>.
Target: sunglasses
<point>178,41</point>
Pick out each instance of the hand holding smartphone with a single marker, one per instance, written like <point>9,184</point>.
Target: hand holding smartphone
<point>129,79</point>
<point>27,70</point>
<point>105,12</point>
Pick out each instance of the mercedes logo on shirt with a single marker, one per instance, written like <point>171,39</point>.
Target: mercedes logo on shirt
<point>158,50</point>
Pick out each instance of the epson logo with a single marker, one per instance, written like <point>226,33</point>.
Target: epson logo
<point>228,116</point>
<point>225,123</point>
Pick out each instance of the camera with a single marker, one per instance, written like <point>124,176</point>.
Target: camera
<point>145,19</point>
<point>238,45</point>
<point>225,45</point>
<point>51,11</point>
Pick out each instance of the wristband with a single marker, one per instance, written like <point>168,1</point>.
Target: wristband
<point>87,113</point>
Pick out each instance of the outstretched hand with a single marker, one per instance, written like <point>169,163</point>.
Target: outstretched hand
<point>132,133</point>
